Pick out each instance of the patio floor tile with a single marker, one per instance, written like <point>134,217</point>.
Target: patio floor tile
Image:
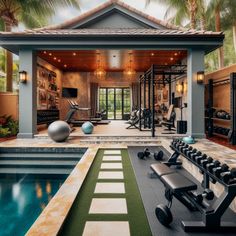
<point>109,188</point>
<point>108,206</point>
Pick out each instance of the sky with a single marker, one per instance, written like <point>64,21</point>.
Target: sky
<point>155,9</point>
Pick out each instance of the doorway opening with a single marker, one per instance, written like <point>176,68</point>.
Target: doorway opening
<point>116,102</point>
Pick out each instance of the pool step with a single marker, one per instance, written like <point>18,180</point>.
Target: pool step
<point>40,156</point>
<point>39,160</point>
<point>37,164</point>
<point>38,171</point>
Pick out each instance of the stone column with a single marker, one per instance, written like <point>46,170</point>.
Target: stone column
<point>195,97</point>
<point>28,95</point>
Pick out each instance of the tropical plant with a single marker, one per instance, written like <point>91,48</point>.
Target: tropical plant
<point>31,13</point>
<point>179,11</point>
<point>8,126</point>
<point>215,8</point>
<point>4,132</point>
<point>216,15</point>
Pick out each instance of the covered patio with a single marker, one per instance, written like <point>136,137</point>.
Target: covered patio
<point>72,51</point>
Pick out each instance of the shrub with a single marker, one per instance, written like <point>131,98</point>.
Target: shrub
<point>8,126</point>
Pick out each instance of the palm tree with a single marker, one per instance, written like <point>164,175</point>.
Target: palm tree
<point>184,9</point>
<point>33,13</point>
<point>215,8</point>
<point>228,13</point>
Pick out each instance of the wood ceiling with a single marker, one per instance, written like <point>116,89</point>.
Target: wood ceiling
<point>111,60</point>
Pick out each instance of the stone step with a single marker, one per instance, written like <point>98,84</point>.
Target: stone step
<point>131,141</point>
<point>37,164</point>
<point>44,150</point>
<point>38,171</point>
<point>41,156</point>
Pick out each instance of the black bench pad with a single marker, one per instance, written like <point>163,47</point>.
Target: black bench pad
<point>161,169</point>
<point>177,182</point>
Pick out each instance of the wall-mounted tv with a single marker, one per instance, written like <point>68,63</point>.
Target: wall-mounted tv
<point>177,102</point>
<point>69,92</point>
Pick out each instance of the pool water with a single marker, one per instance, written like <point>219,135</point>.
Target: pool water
<point>22,200</point>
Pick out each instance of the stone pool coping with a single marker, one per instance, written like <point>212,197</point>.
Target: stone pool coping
<point>53,216</point>
<point>51,219</point>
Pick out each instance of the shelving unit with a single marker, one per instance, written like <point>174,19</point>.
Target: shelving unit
<point>47,96</point>
<point>215,126</point>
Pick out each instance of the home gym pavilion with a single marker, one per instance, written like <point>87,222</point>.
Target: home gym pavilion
<point>129,76</point>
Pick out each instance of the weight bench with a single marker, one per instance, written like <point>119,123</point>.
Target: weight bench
<point>176,185</point>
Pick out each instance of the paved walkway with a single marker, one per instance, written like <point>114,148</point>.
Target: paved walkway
<point>111,162</point>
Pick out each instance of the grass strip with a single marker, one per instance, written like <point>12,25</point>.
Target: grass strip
<point>78,215</point>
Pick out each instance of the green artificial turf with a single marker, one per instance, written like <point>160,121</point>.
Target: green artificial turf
<point>78,215</point>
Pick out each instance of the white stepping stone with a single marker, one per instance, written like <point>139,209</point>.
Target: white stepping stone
<point>112,152</point>
<point>106,228</point>
<point>111,166</point>
<point>111,158</point>
<point>110,175</point>
<point>108,206</point>
<point>109,188</point>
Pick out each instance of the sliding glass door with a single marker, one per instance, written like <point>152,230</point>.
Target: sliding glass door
<point>116,101</point>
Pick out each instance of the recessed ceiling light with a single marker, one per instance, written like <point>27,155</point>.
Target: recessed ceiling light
<point>176,54</point>
<point>152,54</point>
<point>59,60</point>
<point>171,58</point>
<point>65,65</point>
<point>50,54</point>
<point>74,54</point>
<point>54,58</point>
<point>44,52</point>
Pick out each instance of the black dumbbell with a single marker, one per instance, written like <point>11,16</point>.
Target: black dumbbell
<point>194,155</point>
<point>180,144</point>
<point>229,175</point>
<point>207,193</point>
<point>146,153</point>
<point>142,155</point>
<point>185,150</point>
<point>191,152</point>
<point>183,147</point>
<point>158,155</point>
<point>212,165</point>
<point>204,162</point>
<point>218,170</point>
<point>189,148</point>
<point>199,158</point>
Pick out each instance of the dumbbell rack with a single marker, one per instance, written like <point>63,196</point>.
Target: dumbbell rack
<point>211,216</point>
<point>229,126</point>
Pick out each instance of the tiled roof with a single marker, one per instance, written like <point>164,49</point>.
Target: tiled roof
<point>76,20</point>
<point>104,32</point>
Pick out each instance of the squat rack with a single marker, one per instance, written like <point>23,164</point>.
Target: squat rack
<point>166,74</point>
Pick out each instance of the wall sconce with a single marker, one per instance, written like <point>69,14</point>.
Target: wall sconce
<point>180,87</point>
<point>200,77</point>
<point>23,76</point>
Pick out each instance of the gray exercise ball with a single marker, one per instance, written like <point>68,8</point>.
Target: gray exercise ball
<point>59,131</point>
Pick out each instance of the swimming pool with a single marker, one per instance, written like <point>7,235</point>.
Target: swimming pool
<point>21,202</point>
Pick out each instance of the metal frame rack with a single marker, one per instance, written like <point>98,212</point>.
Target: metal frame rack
<point>147,83</point>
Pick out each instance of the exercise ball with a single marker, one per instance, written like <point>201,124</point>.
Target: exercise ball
<point>87,127</point>
<point>59,131</point>
<point>189,140</point>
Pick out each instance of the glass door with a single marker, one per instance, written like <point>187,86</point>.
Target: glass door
<point>116,101</point>
<point>118,104</point>
<point>111,104</point>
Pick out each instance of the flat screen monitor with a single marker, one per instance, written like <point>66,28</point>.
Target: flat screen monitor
<point>178,102</point>
<point>69,92</point>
